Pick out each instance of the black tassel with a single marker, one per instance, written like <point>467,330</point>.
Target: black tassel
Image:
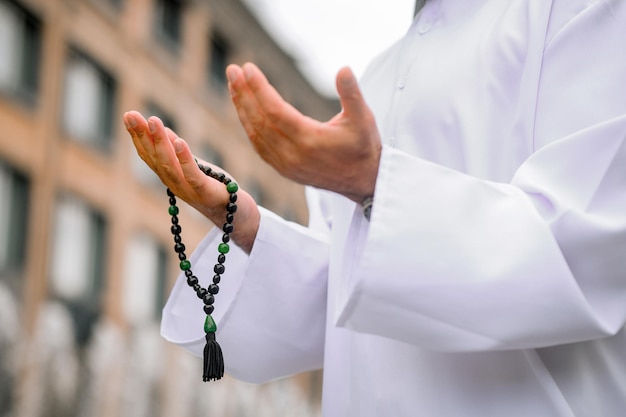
<point>213,359</point>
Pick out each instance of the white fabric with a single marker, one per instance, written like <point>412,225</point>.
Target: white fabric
<point>491,279</point>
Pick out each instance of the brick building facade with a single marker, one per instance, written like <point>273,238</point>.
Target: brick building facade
<point>85,248</point>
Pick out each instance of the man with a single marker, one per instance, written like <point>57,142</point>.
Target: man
<point>489,280</point>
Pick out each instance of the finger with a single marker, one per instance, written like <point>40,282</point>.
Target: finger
<point>165,158</point>
<point>171,135</point>
<point>242,99</point>
<point>187,159</point>
<point>137,127</point>
<point>275,107</point>
<point>234,74</point>
<point>350,96</point>
<point>189,168</point>
<point>280,113</point>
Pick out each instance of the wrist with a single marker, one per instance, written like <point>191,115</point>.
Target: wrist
<point>247,223</point>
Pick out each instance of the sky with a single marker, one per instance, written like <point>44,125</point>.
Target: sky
<point>325,35</point>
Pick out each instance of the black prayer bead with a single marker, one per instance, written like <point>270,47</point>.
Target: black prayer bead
<point>208,299</point>
<point>205,294</point>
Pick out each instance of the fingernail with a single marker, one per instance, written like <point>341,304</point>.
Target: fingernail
<point>247,71</point>
<point>131,121</point>
<point>347,77</point>
<point>231,74</point>
<point>178,146</point>
<point>152,126</point>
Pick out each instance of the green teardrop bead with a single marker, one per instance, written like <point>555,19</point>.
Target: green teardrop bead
<point>173,210</point>
<point>209,325</point>
<point>232,187</point>
<point>185,265</point>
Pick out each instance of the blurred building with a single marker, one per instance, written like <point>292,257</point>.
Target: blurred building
<point>86,256</point>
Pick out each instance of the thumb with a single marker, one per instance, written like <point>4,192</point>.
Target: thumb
<point>350,95</point>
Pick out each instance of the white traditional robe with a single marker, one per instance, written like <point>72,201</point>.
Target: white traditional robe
<point>491,280</point>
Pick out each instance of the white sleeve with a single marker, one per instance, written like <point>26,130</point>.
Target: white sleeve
<point>475,265</point>
<point>271,308</point>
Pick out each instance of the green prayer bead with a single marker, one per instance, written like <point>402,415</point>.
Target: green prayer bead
<point>223,248</point>
<point>185,265</point>
<point>209,325</point>
<point>232,187</point>
<point>173,210</point>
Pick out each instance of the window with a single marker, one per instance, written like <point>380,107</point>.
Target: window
<point>218,56</point>
<point>153,109</point>
<point>257,193</point>
<point>144,279</point>
<point>89,100</point>
<point>77,263</point>
<point>211,155</point>
<point>168,22</point>
<point>14,187</point>
<point>20,45</point>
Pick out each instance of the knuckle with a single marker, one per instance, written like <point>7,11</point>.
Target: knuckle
<point>139,134</point>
